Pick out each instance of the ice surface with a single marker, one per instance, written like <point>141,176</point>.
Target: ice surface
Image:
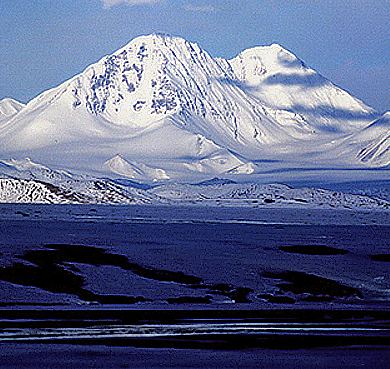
<point>36,356</point>
<point>227,249</point>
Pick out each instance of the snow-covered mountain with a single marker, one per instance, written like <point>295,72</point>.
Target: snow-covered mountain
<point>162,108</point>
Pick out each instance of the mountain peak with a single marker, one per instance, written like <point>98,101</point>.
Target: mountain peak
<point>270,59</point>
<point>159,37</point>
<point>160,42</point>
<point>142,81</point>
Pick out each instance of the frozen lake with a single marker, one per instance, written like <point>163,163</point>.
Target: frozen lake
<point>192,259</point>
<point>36,356</point>
<point>218,251</point>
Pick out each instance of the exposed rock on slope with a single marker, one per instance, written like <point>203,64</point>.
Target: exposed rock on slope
<point>27,182</point>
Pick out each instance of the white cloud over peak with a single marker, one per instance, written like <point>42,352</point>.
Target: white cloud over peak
<point>110,3</point>
<point>200,8</point>
<point>187,7</point>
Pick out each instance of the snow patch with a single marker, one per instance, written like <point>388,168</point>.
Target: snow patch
<point>9,108</point>
<point>135,170</point>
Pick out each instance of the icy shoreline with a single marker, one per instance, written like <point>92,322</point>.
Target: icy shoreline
<point>193,213</point>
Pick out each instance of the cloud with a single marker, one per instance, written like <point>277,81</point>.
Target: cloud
<point>110,3</point>
<point>200,8</point>
<point>187,7</point>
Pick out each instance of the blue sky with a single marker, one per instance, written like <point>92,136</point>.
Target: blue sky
<point>45,42</point>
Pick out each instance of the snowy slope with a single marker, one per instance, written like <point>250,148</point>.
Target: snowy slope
<point>27,169</point>
<point>9,108</point>
<point>280,80</point>
<point>135,170</point>
<point>164,103</point>
<point>374,142</point>
<point>369,146</point>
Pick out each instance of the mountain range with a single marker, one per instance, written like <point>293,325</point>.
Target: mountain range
<point>162,109</point>
<point>23,181</point>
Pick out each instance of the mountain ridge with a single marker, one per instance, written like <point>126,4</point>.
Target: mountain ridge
<point>163,102</point>
<point>24,181</point>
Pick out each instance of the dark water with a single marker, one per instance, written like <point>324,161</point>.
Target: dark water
<point>217,249</point>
